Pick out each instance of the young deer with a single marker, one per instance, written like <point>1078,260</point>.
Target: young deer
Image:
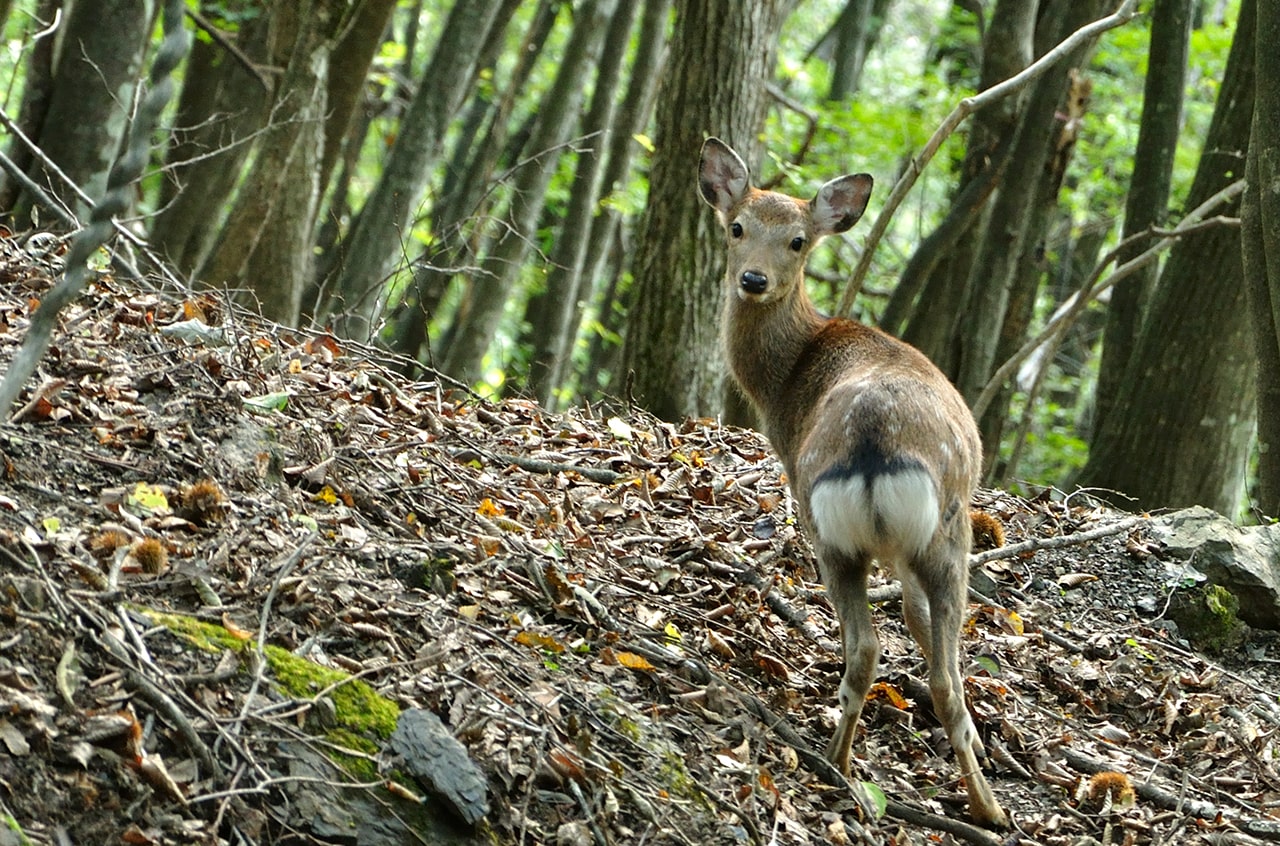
<point>881,452</point>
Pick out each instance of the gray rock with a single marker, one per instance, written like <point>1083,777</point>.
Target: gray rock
<point>361,816</point>
<point>430,752</point>
<point>1243,559</point>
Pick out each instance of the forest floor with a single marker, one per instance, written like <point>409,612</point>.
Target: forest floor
<point>616,616</point>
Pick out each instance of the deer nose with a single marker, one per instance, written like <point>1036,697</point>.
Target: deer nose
<point>753,282</point>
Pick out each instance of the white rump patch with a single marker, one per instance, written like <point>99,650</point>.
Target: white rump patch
<point>896,518</point>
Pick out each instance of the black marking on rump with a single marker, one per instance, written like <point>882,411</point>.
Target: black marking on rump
<point>869,460</point>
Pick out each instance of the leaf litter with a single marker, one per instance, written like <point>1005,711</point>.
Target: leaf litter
<point>616,617</point>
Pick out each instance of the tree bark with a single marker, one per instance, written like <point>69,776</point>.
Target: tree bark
<point>265,247</point>
<point>96,72</point>
<point>604,254</point>
<point>34,106</point>
<point>372,251</point>
<point>1008,47</point>
<point>1182,433</point>
<point>1031,266</point>
<point>1148,199</point>
<point>222,104</point>
<point>1260,216</point>
<point>855,33</point>
<point>348,75</point>
<point>992,273</point>
<point>491,284</point>
<point>465,190</point>
<point>723,51</point>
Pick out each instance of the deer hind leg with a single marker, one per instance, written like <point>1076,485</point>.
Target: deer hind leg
<point>934,600</point>
<point>846,579</point>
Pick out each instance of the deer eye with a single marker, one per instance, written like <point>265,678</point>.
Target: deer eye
<point>797,244</point>
<point>736,229</point>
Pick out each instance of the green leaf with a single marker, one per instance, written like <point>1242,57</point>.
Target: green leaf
<point>988,663</point>
<point>267,403</point>
<point>871,798</point>
<point>148,498</point>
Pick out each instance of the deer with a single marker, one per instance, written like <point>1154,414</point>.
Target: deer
<point>880,451</point>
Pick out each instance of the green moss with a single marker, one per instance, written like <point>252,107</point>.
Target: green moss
<point>1209,618</point>
<point>360,710</point>
<point>360,768</point>
<point>207,636</point>
<point>359,706</point>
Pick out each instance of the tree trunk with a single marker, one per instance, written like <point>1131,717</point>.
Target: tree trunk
<point>855,32</point>
<point>371,252</point>
<point>1031,267</point>
<point>723,53</point>
<point>551,313</point>
<point>222,104</point>
<point>1006,235</point>
<point>1181,434</point>
<point>265,246</point>
<point>35,104</point>
<point>96,72</point>
<point>491,284</point>
<point>1148,199</point>
<point>604,253</point>
<point>348,75</point>
<point>1261,221</point>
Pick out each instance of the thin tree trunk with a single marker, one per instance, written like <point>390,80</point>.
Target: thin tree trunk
<point>374,247</point>
<point>266,245</point>
<point>1008,47</point>
<point>855,32</point>
<point>348,74</point>
<point>550,314</point>
<point>221,106</point>
<point>491,284</point>
<point>1030,268</point>
<point>992,274</point>
<point>646,70</point>
<point>96,73</point>
<point>465,183</point>
<point>35,103</point>
<point>1261,220</point>
<point>1148,199</point>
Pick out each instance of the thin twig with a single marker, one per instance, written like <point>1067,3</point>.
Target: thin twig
<point>229,45</point>
<point>963,109</point>
<point>285,569</point>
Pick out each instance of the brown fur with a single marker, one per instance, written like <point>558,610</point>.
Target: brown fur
<point>880,450</point>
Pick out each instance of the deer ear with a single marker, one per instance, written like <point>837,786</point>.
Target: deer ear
<point>722,176</point>
<point>841,202</point>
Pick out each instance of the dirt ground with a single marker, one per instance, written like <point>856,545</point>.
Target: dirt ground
<point>232,555</point>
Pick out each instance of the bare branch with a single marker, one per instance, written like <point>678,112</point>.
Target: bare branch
<point>1092,288</point>
<point>963,109</point>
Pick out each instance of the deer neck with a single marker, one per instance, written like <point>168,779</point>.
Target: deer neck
<point>764,343</point>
